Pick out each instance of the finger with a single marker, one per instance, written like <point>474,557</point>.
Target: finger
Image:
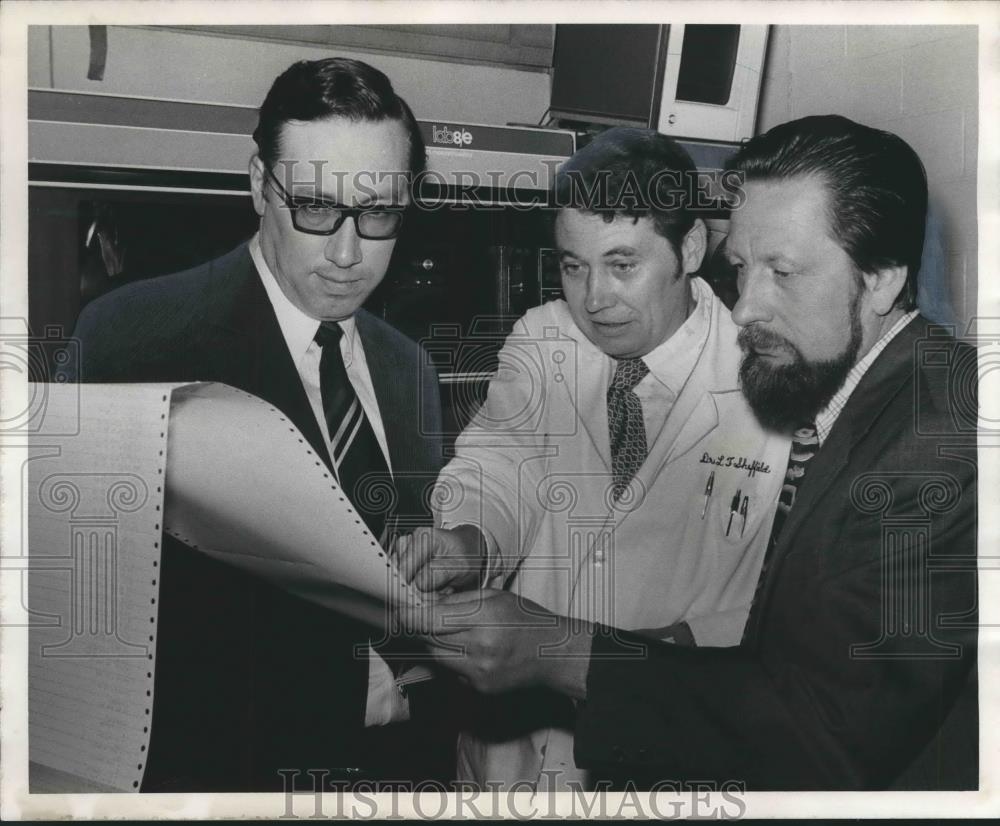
<point>417,553</point>
<point>441,573</point>
<point>465,580</point>
<point>425,620</point>
<point>445,583</point>
<point>400,552</point>
<point>430,578</point>
<point>450,621</point>
<point>456,603</point>
<point>404,549</point>
<point>398,544</point>
<point>463,597</point>
<point>413,615</point>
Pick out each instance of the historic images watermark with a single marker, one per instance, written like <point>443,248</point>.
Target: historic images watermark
<point>29,433</point>
<point>313,795</point>
<point>313,182</point>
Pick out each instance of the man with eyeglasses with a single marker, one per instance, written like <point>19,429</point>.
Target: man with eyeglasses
<point>255,687</point>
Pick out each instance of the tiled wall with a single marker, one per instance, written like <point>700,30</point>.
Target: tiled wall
<point>917,81</point>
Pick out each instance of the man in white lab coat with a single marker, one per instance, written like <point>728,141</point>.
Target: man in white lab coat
<point>615,472</point>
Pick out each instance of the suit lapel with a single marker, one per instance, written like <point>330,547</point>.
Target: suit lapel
<point>396,399</point>
<point>587,393</point>
<point>254,356</point>
<point>877,388</point>
<point>694,415</point>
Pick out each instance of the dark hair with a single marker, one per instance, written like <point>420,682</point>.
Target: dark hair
<point>876,183</point>
<point>334,87</point>
<point>634,172</point>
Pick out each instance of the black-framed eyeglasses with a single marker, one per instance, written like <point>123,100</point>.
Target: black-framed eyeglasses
<point>377,223</point>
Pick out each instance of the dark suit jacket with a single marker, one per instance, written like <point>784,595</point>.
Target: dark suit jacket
<point>251,680</point>
<point>863,638</point>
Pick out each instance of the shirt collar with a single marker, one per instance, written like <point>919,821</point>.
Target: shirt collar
<point>826,418</point>
<point>674,360</point>
<point>297,328</point>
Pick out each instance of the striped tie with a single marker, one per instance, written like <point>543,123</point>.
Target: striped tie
<point>625,425</point>
<point>805,445</point>
<point>357,458</point>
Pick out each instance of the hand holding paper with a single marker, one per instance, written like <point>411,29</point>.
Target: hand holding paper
<point>444,560</point>
<point>243,487</point>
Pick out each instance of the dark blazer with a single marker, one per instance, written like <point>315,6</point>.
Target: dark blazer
<point>858,671</point>
<point>251,680</point>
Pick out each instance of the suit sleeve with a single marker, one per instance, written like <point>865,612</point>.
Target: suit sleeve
<point>831,697</point>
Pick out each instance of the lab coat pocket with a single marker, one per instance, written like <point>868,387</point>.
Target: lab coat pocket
<point>728,513</point>
<point>739,510</point>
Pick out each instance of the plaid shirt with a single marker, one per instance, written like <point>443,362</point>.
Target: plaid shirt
<point>826,418</point>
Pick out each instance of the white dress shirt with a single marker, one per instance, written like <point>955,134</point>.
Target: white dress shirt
<point>386,702</point>
<point>670,365</point>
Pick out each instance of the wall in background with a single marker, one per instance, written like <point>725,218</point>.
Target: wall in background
<point>517,46</point>
<point>182,65</point>
<point>919,82</point>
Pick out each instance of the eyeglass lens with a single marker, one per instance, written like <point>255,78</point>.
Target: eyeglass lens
<point>374,224</point>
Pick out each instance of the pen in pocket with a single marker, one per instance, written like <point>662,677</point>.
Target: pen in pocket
<point>708,492</point>
<point>734,508</point>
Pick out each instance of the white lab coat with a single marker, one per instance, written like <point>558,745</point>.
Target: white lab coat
<point>534,469</point>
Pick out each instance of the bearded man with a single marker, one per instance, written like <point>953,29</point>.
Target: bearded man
<point>857,666</point>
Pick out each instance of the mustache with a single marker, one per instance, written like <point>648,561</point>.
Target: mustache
<point>753,337</point>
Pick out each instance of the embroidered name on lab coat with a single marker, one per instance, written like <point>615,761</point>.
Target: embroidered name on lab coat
<point>751,466</point>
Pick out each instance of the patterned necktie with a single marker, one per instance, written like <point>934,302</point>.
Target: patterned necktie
<point>625,425</point>
<point>357,458</point>
<point>805,445</point>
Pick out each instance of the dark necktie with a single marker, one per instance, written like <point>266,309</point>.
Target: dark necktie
<point>625,425</point>
<point>357,458</point>
<point>805,445</point>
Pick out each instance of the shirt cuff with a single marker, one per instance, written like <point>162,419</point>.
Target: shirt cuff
<point>387,702</point>
<point>493,562</point>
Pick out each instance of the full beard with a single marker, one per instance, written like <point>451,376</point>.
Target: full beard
<point>785,396</point>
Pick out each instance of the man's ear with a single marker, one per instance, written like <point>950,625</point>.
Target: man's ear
<point>884,286</point>
<point>258,181</point>
<point>693,247</point>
